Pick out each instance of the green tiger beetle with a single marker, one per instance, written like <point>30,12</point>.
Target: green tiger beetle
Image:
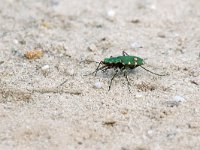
<point>122,64</point>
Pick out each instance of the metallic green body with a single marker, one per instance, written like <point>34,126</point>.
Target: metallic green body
<point>125,60</point>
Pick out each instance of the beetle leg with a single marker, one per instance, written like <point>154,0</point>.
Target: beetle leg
<point>105,69</point>
<point>97,69</point>
<point>125,53</point>
<point>125,74</point>
<point>112,79</point>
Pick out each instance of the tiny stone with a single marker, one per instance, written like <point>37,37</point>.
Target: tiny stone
<point>98,85</point>
<point>80,143</point>
<point>178,98</point>
<point>171,103</point>
<point>92,47</point>
<point>196,110</point>
<point>23,42</point>
<point>150,132</point>
<point>135,45</point>
<point>135,21</point>
<point>138,96</point>
<point>99,26</point>
<point>61,55</point>
<point>15,41</point>
<point>111,13</point>
<point>70,72</point>
<point>104,39</point>
<point>171,135</point>
<point>45,67</point>
<point>161,35</point>
<point>153,7</point>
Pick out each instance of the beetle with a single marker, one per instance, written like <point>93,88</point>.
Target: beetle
<point>123,64</point>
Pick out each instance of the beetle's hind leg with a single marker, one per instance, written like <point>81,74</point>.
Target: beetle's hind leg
<point>128,83</point>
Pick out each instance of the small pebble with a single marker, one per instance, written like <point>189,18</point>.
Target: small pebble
<point>70,71</point>
<point>34,54</point>
<point>152,7</point>
<point>161,35</point>
<point>150,132</point>
<point>135,45</point>
<point>178,98</point>
<point>92,47</point>
<point>15,41</point>
<point>135,21</point>
<point>23,42</point>
<point>98,85</point>
<point>138,96</point>
<point>171,103</point>
<point>111,13</point>
<point>171,135</point>
<point>45,67</point>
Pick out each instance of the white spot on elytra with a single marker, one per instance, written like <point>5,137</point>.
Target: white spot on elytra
<point>135,63</point>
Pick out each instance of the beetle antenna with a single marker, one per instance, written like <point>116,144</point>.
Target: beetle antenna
<point>153,72</point>
<point>125,53</point>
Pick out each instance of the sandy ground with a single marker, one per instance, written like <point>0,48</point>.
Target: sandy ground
<point>36,112</point>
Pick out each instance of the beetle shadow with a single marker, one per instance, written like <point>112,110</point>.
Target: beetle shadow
<point>110,73</point>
